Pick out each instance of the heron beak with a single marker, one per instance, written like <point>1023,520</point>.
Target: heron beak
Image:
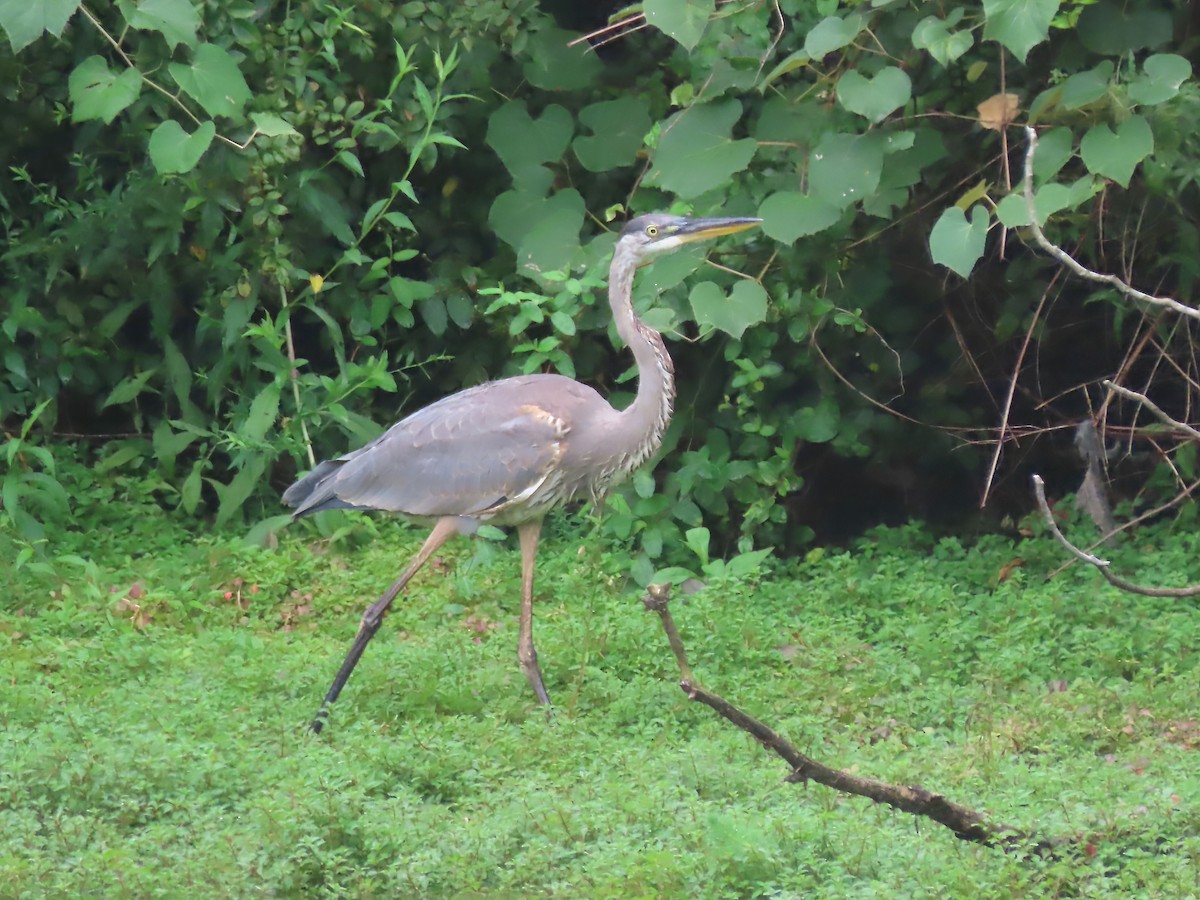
<point>706,229</point>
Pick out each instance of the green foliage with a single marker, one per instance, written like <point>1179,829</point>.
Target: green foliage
<point>155,742</point>
<point>267,227</point>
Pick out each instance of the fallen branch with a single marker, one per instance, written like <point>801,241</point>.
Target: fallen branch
<point>966,824</point>
<point>1103,566</point>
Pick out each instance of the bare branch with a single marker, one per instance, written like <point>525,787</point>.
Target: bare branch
<point>967,824</point>
<point>1103,565</point>
<point>1067,260</point>
<point>1125,392</point>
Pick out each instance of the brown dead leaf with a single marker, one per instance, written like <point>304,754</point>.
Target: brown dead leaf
<point>998,110</point>
<point>1008,568</point>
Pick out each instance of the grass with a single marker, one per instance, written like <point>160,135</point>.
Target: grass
<point>158,681</point>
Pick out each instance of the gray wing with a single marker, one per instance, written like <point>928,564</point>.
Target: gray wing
<point>465,455</point>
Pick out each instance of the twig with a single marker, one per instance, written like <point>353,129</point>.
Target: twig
<point>116,45</point>
<point>1103,565</point>
<point>1067,260</point>
<point>291,349</point>
<point>1125,392</point>
<point>967,824</point>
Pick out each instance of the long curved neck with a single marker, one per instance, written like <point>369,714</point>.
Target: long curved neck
<point>645,419</point>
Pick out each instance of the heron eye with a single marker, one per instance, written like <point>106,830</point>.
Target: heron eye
<point>651,230</point>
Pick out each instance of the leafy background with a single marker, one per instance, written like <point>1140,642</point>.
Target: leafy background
<point>237,235</point>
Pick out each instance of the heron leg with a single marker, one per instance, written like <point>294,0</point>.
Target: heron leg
<point>526,654</point>
<point>443,530</point>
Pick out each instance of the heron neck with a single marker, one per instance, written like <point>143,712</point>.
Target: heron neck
<point>650,412</point>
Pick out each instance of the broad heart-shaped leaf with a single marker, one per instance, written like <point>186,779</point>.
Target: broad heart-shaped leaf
<point>683,20</point>
<point>832,33</point>
<point>874,98</point>
<point>176,20</point>
<point>523,143</point>
<point>1162,75</point>
<point>1086,87</point>
<point>25,20</point>
<point>270,125</point>
<point>619,126</point>
<point>98,93</point>
<point>554,65</point>
<point>957,243</point>
<point>173,150</point>
<point>745,306</point>
<point>788,215</point>
<point>550,244</point>
<point>696,153</point>
<point>1116,155</point>
<point>1047,200</point>
<point>1053,150</point>
<point>845,168</point>
<point>543,230</point>
<point>1018,24</point>
<point>214,81</point>
<point>1115,27</point>
<point>934,34</point>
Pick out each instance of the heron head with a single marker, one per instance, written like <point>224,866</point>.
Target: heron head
<point>655,234</point>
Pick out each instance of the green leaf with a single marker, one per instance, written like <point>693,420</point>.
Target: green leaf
<point>549,245</point>
<point>176,20</point>
<point>524,143</point>
<point>25,20</point>
<point>793,61</point>
<point>1116,155</point>
<point>433,314</point>
<point>232,496</point>
<point>1086,87</point>
<point>554,66</point>
<point>747,563</point>
<point>270,125</point>
<point>96,92</point>
<point>562,323</point>
<point>263,413</point>
<point>1018,24</point>
<point>350,161</point>
<point>125,452</point>
<point>788,215</point>
<point>684,20</point>
<point>168,444</point>
<point>189,493</point>
<point>933,34</point>
<point>845,168</point>
<point>1047,200</point>
<point>214,81</point>
<point>1162,74</point>
<point>618,128</point>
<point>957,243</point>
<point>874,98</point>
<point>745,306</point>
<point>128,388</point>
<point>698,540</point>
<point>1116,28</point>
<point>696,152</point>
<point>1054,149</point>
<point>831,34</point>
<point>818,424</point>
<point>173,150</point>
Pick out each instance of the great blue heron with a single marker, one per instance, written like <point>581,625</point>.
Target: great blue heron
<point>508,451</point>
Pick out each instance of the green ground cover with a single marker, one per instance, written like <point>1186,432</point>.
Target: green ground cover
<point>162,750</point>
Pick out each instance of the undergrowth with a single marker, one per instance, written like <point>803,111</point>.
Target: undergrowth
<point>158,678</point>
